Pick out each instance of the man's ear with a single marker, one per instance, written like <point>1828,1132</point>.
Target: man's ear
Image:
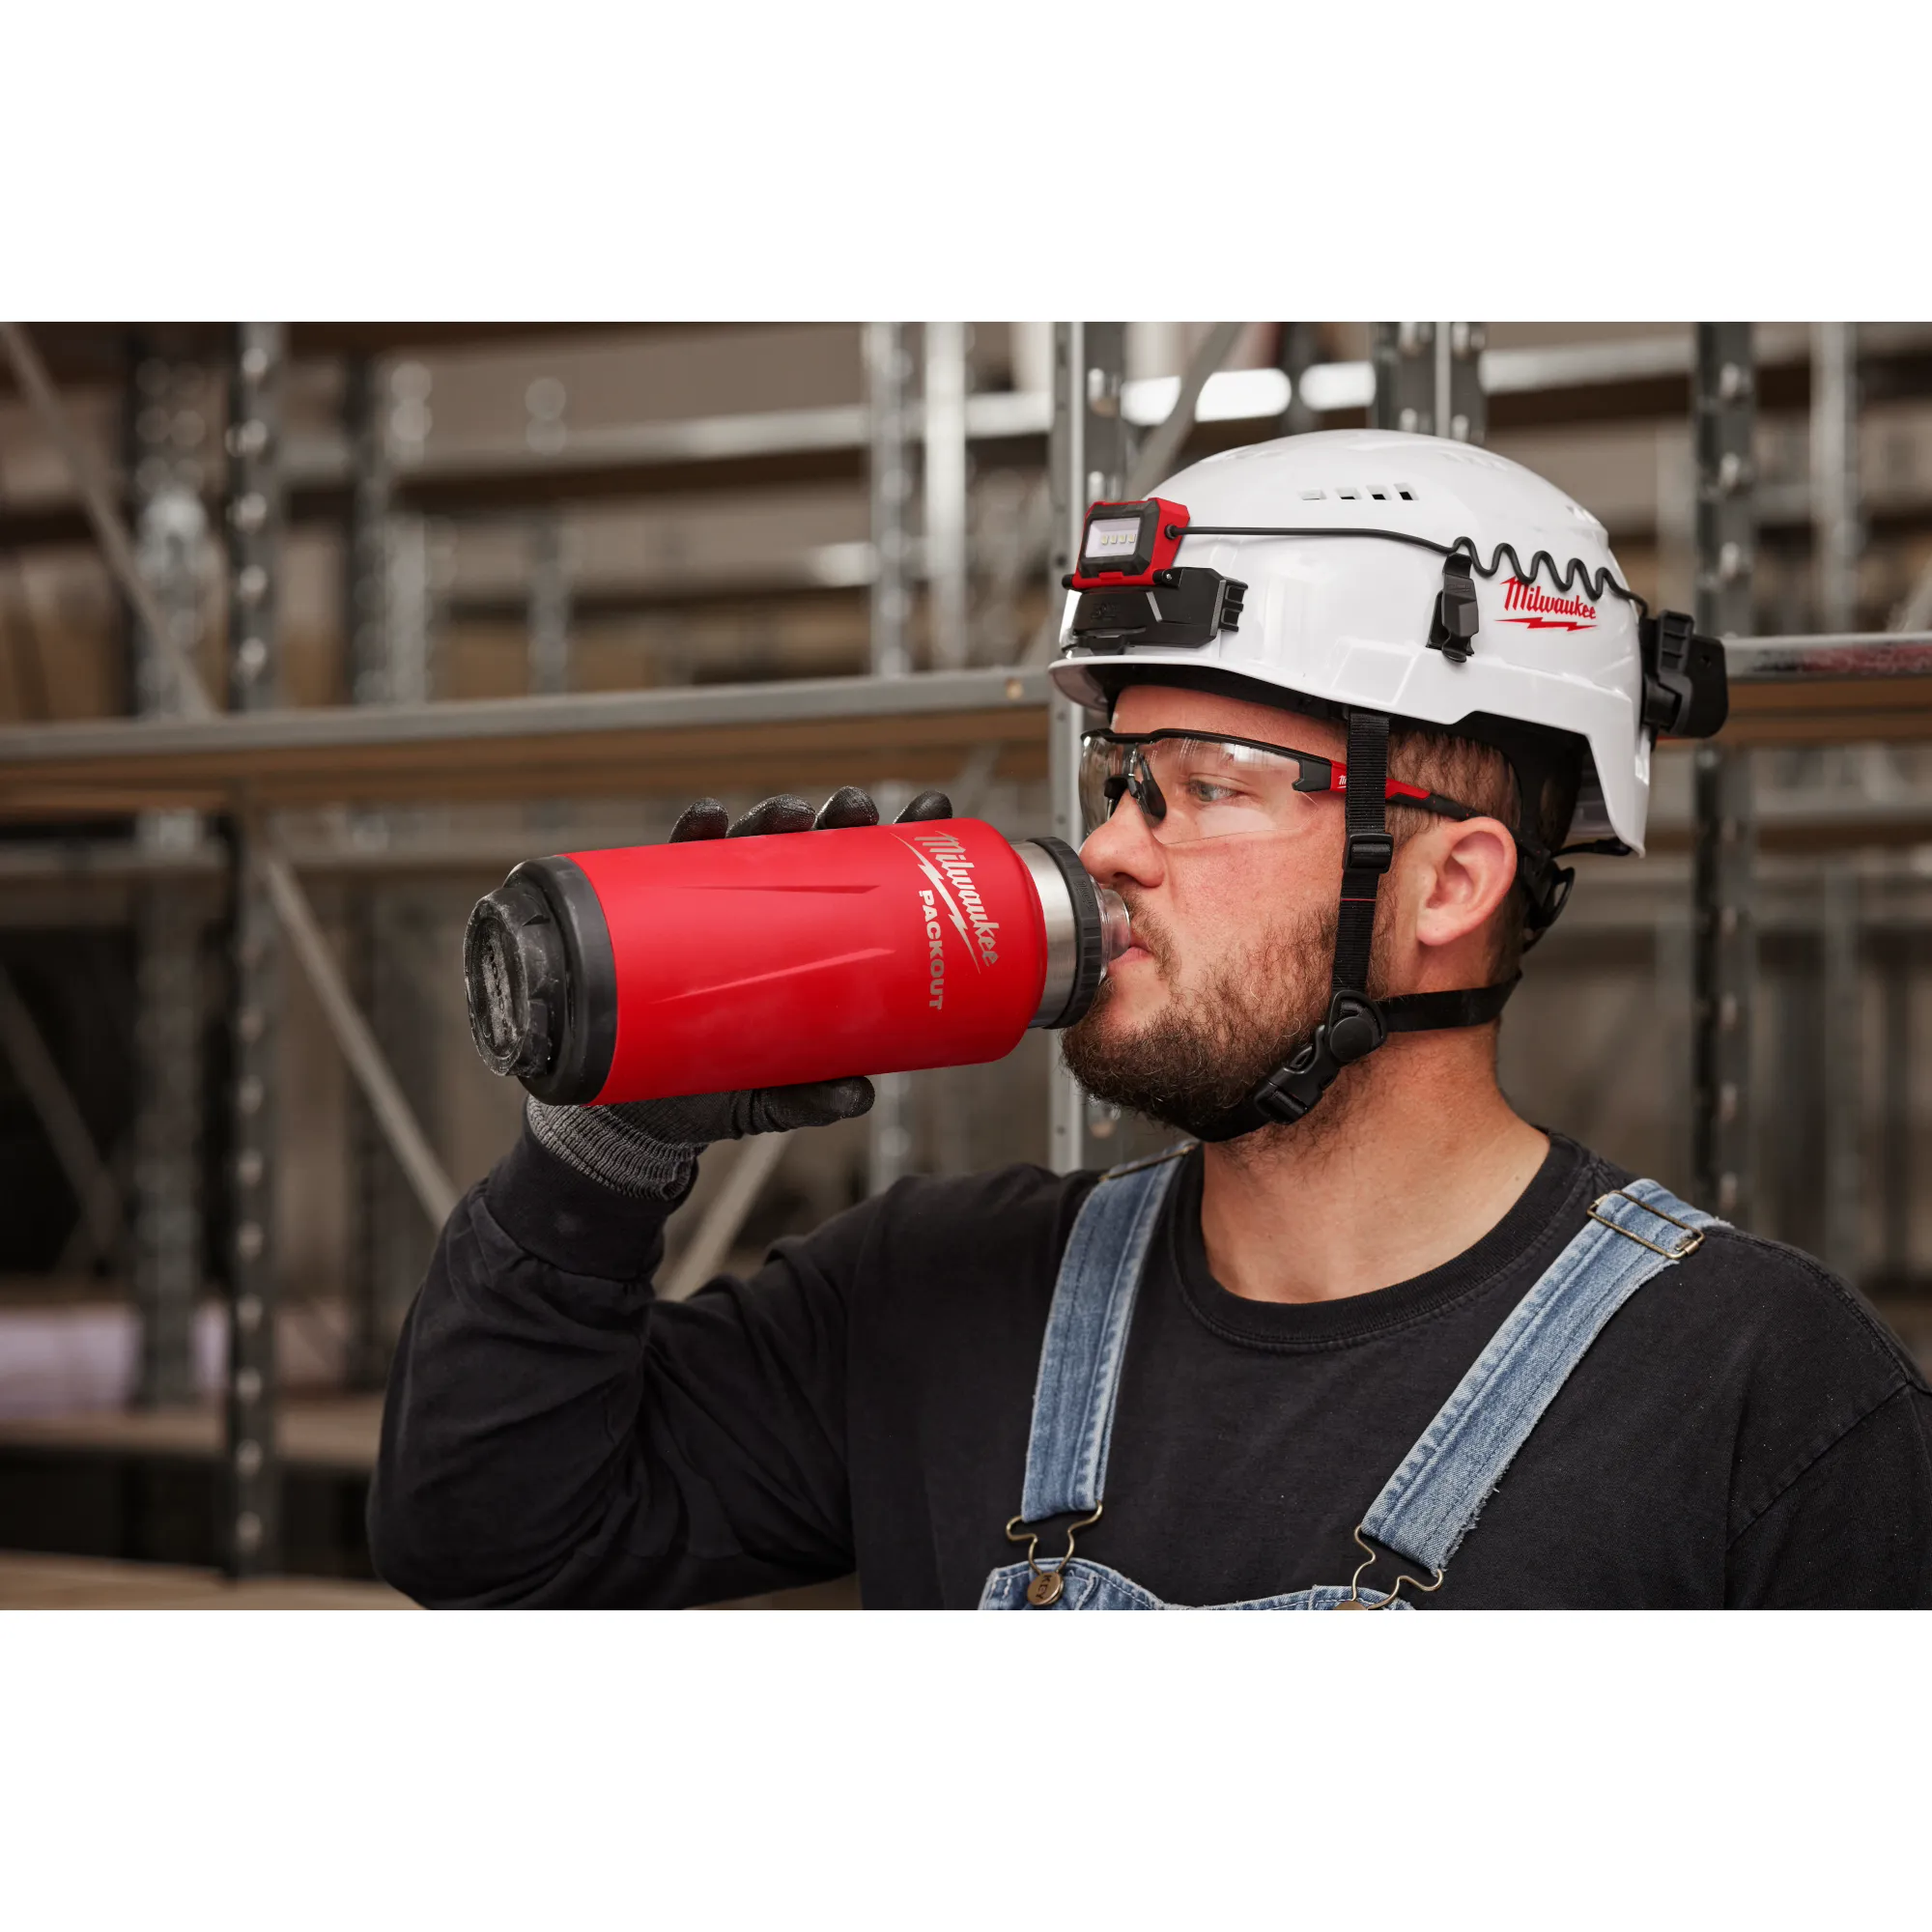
<point>1469,867</point>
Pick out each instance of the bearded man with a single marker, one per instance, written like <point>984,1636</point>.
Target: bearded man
<point>1361,1304</point>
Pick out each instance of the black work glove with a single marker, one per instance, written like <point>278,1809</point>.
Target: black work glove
<point>648,1148</point>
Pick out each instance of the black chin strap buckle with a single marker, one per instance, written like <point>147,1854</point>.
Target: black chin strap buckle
<point>1451,629</point>
<point>1352,1031</point>
<point>1546,886</point>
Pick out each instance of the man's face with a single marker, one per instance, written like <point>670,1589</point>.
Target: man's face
<point>1233,935</point>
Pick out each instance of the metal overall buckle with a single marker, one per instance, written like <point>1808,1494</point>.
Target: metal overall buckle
<point>1045,1591</point>
<point>1676,1254</point>
<point>1353,1600</point>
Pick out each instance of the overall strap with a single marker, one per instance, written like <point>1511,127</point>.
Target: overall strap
<point>1087,1339</point>
<point>1426,1506</point>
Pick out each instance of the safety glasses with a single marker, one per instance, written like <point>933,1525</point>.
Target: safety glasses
<point>1190,785</point>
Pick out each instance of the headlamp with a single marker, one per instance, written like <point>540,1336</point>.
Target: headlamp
<point>1130,591</point>
<point>1127,543</point>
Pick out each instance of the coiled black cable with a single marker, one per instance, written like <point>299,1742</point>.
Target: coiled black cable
<point>1562,576</point>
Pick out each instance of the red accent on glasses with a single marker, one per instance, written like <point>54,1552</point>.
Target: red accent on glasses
<point>1338,781</point>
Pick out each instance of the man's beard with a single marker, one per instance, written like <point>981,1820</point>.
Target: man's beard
<point>1208,1049</point>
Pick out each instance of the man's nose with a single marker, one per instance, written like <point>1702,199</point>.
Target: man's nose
<point>1125,848</point>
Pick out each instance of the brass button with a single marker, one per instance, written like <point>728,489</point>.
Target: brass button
<point>1044,1592</point>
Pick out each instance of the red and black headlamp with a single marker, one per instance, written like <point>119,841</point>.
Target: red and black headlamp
<point>1130,589</point>
<point>1127,543</point>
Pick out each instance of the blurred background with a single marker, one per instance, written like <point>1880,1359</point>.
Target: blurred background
<point>309,633</point>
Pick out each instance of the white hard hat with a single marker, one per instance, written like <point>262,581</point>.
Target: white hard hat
<point>1556,642</point>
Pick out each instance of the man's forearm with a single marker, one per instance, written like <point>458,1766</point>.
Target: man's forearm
<point>554,1437</point>
<point>514,1394</point>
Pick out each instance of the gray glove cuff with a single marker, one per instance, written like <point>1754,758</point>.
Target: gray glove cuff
<point>613,1150</point>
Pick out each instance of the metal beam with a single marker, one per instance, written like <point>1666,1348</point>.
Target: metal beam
<point>1835,473</point>
<point>365,605</point>
<point>1898,1147</point>
<point>252,1543</point>
<point>549,609</point>
<point>1824,657</point>
<point>101,515</point>
<point>886,416</point>
<point>1297,352</point>
<point>889,1126</point>
<point>1840,1047</point>
<point>366,553</point>
<point>169,414</point>
<point>945,508</point>
<point>1428,379</point>
<point>1087,461</point>
<point>1724,934</point>
<point>888,368</point>
<point>1158,454</point>
<point>427,1177</point>
<point>477,741</point>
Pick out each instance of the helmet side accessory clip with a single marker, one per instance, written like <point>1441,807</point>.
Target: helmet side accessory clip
<point>1452,629</point>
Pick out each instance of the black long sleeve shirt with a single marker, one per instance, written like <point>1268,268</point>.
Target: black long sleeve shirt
<point>1745,1432</point>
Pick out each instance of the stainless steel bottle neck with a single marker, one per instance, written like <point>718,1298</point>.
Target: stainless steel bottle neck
<point>1087,930</point>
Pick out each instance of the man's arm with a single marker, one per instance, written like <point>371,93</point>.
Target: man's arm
<point>553,1435</point>
<point>1854,1529</point>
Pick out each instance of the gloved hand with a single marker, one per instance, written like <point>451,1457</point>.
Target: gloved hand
<point>648,1148</point>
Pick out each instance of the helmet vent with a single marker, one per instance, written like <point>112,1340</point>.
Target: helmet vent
<point>1350,493</point>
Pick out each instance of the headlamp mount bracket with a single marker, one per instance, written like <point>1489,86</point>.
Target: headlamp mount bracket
<point>1180,609</point>
<point>1685,687</point>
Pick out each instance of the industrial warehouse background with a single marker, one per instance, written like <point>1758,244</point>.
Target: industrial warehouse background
<point>309,633</point>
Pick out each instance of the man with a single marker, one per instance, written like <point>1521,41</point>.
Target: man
<point>1292,1365</point>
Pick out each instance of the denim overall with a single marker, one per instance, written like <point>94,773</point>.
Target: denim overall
<point>1426,1507</point>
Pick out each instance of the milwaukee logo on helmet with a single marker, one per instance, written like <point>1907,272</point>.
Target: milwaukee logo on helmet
<point>1548,613</point>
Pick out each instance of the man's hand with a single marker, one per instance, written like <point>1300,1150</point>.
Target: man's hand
<point>847,806</point>
<point>648,1148</point>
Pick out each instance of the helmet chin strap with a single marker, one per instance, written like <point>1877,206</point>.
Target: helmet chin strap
<point>1355,1025</point>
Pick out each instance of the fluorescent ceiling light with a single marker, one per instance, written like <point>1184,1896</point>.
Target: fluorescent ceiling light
<point>843,564</point>
<point>1237,393</point>
<point>1338,385</point>
<point>1230,395</point>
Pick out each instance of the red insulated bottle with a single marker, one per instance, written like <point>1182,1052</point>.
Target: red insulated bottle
<point>648,971</point>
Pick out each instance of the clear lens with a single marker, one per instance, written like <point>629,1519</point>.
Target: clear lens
<point>1208,787</point>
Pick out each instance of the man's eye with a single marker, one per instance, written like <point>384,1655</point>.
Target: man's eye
<point>1206,791</point>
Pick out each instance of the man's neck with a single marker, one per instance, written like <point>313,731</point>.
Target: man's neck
<point>1414,1166</point>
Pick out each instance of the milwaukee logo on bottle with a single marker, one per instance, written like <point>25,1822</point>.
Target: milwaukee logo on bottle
<point>944,863</point>
<point>1547,612</point>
